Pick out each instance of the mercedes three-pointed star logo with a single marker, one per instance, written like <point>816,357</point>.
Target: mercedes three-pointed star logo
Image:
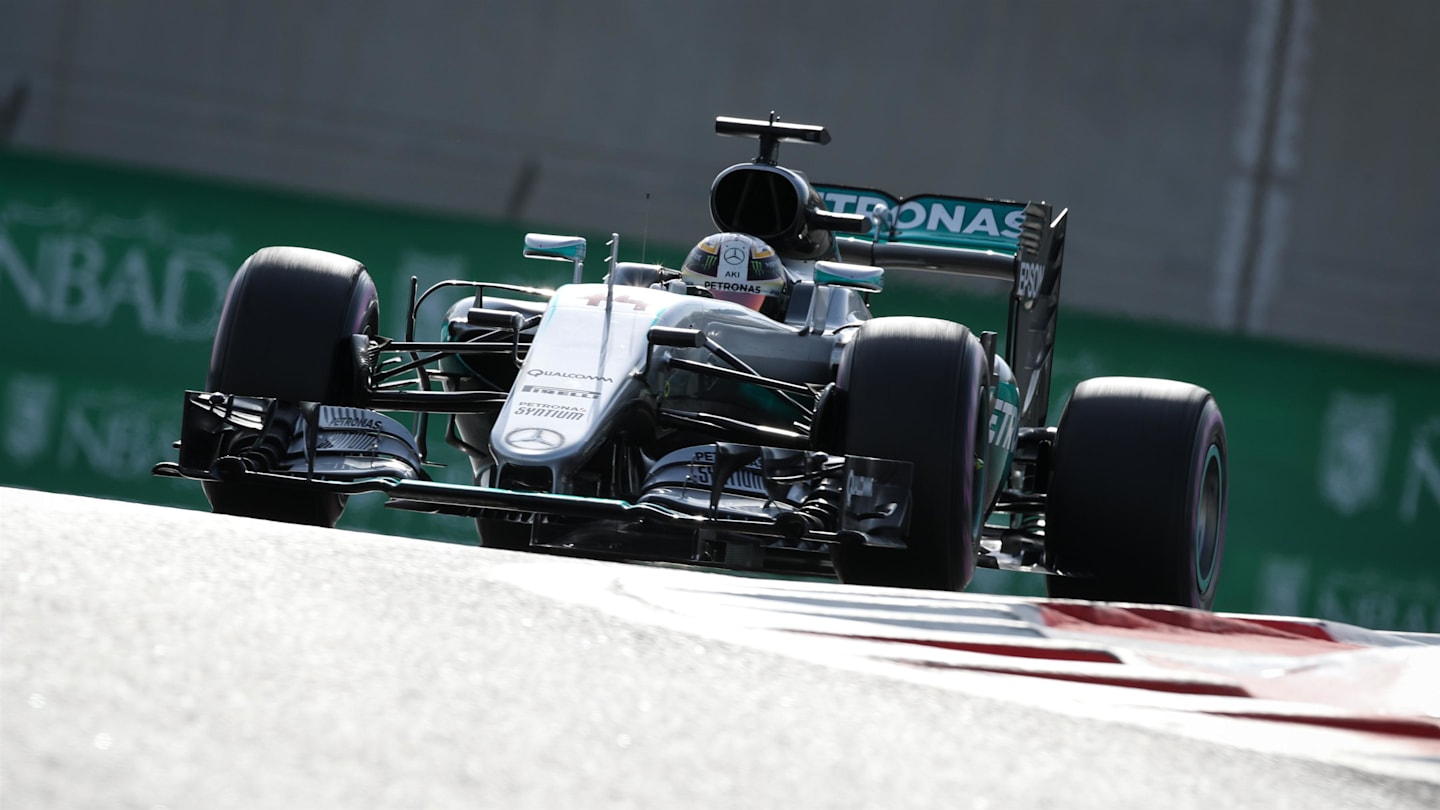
<point>534,439</point>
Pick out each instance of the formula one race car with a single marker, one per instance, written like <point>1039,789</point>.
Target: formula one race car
<point>744,410</point>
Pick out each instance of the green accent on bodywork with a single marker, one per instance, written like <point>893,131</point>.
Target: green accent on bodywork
<point>454,363</point>
<point>1001,427</point>
<point>873,283</point>
<point>1204,579</point>
<point>768,400</point>
<point>1004,419</point>
<point>551,247</point>
<point>934,219</point>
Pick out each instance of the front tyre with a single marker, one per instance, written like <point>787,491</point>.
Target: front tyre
<point>285,331</point>
<point>1138,493</point>
<point>912,393</point>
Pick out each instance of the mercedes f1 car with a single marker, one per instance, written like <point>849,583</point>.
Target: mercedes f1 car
<point>743,411</point>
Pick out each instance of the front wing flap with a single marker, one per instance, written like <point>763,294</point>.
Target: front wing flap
<point>224,436</point>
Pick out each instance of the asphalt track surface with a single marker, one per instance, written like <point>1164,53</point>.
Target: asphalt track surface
<point>159,658</point>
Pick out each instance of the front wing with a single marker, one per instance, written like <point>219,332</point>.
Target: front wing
<point>350,451</point>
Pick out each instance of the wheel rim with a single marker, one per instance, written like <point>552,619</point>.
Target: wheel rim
<point>1208,519</point>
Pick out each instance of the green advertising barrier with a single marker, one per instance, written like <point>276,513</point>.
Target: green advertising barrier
<point>111,280</point>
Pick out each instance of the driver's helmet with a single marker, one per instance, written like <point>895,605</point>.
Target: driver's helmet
<point>740,268</point>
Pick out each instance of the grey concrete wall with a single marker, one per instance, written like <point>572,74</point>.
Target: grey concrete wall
<point>1359,264</point>
<point>1266,166</point>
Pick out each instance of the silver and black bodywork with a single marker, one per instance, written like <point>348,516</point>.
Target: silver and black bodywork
<point>642,418</point>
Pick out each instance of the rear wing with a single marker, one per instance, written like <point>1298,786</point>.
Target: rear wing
<point>1019,243</point>
<point>933,219</point>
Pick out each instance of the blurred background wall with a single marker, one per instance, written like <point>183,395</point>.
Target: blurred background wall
<point>1267,167</point>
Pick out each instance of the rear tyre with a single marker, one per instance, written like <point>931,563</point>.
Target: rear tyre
<point>1138,494</point>
<point>911,393</point>
<point>285,331</point>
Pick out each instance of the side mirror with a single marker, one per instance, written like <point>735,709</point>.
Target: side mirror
<point>556,249</point>
<point>859,276</point>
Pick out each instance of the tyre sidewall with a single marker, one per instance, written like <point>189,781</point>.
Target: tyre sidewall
<point>286,324</point>
<point>1201,576</point>
<point>1127,493</point>
<point>911,393</point>
<point>285,331</point>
